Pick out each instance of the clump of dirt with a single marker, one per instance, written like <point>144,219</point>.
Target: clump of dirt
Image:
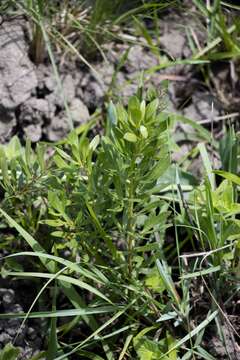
<point>228,348</point>
<point>17,74</point>
<point>31,102</point>
<point>26,337</point>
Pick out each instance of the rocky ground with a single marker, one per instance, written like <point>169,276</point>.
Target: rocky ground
<point>32,105</point>
<point>27,337</point>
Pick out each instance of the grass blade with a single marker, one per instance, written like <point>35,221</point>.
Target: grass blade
<point>64,278</point>
<point>207,164</point>
<point>61,313</point>
<point>67,288</point>
<point>192,333</point>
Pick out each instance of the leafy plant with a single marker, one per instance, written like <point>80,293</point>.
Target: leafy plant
<point>96,195</point>
<point>123,237</point>
<point>9,353</point>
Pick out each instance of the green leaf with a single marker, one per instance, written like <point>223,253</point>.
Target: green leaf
<point>60,162</point>
<point>185,178</point>
<point>14,265</point>
<point>9,352</point>
<point>52,339</point>
<point>67,279</point>
<point>55,202</point>
<point>68,289</point>
<point>59,234</point>
<point>122,114</point>
<point>201,272</point>
<point>229,176</point>
<point>130,137</point>
<point>39,356</point>
<point>207,164</point>
<point>192,333</point>
<point>112,114</point>
<point>4,167</point>
<point>143,109</point>
<point>228,150</point>
<point>155,222</point>
<point>73,138</point>
<point>79,269</point>
<point>63,154</point>
<point>143,131</point>
<point>167,281</point>
<point>204,133</point>
<point>141,345</point>
<point>136,116</point>
<point>94,143</point>
<point>53,223</point>
<point>133,103</point>
<point>40,150</point>
<point>28,152</point>
<point>171,343</point>
<point>151,109</point>
<point>168,316</point>
<point>159,169</point>
<point>61,313</point>
<point>154,282</point>
<point>13,149</point>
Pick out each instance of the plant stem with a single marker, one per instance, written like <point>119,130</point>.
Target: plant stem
<point>130,228</point>
<point>130,221</point>
<point>37,48</point>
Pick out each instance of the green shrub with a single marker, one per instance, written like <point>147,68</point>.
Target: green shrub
<point>124,236</point>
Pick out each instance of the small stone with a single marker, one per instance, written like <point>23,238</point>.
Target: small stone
<point>104,73</point>
<point>85,80</point>
<point>79,111</point>
<point>15,308</point>
<point>14,323</point>
<point>182,151</point>
<point>31,332</point>
<point>5,338</point>
<point>128,91</point>
<point>39,105</point>
<point>34,111</point>
<point>68,88</point>
<point>17,73</point>
<point>192,113</point>
<point>97,89</point>
<point>206,105</point>
<point>7,123</point>
<point>7,296</point>
<point>26,353</point>
<point>33,132</point>
<point>140,59</point>
<point>20,339</point>
<point>12,332</point>
<point>173,43</point>
<point>50,83</point>
<point>58,128</point>
<point>38,343</point>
